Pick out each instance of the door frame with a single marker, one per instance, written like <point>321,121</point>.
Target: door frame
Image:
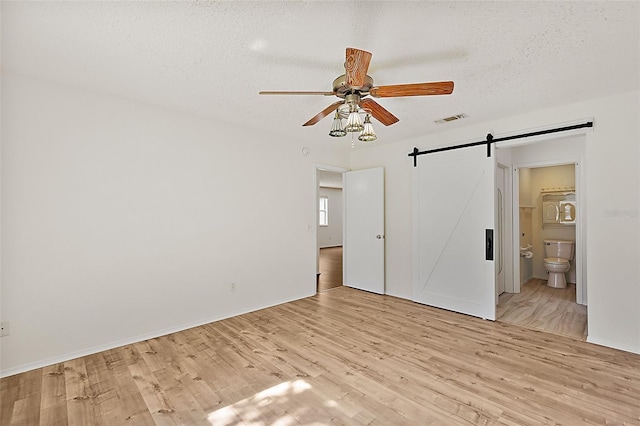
<point>508,230</point>
<point>580,249</point>
<point>574,157</point>
<point>316,191</point>
<point>316,185</point>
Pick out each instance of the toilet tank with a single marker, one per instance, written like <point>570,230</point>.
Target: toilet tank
<point>559,248</point>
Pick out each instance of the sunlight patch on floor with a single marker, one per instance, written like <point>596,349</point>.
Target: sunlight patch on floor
<point>260,409</point>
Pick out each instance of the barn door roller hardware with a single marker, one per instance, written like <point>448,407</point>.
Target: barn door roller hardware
<point>491,140</point>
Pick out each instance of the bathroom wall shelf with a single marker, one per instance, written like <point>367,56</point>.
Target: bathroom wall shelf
<point>568,190</point>
<point>559,189</point>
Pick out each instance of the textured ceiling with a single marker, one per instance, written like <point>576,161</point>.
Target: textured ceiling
<point>212,58</point>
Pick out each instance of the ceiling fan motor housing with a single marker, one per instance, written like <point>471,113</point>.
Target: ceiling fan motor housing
<point>342,89</point>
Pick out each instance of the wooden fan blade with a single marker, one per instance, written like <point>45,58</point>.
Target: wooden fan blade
<point>322,114</point>
<point>417,89</point>
<point>275,92</point>
<point>378,112</point>
<point>356,66</point>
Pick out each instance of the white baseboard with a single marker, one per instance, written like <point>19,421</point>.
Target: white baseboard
<point>527,280</point>
<point>614,345</point>
<point>116,344</point>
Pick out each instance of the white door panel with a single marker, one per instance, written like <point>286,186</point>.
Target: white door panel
<point>364,229</point>
<point>453,207</point>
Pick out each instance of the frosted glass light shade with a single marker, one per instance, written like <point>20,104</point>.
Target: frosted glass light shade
<point>354,123</point>
<point>367,134</point>
<point>336,129</point>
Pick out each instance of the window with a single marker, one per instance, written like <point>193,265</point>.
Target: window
<point>323,213</point>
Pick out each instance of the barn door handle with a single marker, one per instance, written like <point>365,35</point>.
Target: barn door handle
<point>489,244</point>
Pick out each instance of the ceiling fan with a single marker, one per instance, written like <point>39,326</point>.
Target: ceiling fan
<point>355,85</point>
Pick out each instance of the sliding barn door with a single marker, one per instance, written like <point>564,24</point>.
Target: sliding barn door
<point>453,222</point>
<point>364,229</point>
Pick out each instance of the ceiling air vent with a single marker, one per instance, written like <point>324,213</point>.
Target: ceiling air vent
<point>452,118</point>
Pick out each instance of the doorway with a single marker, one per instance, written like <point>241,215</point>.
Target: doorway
<point>330,271</point>
<point>362,227</point>
<point>532,303</point>
<point>329,231</point>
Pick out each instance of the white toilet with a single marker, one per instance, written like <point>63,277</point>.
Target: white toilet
<point>558,254</point>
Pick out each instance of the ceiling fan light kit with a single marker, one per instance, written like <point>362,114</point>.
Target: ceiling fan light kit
<point>354,123</point>
<point>337,129</point>
<point>367,134</point>
<point>353,87</point>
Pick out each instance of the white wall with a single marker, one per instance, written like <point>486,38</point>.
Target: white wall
<point>123,221</point>
<point>525,196</point>
<point>612,186</point>
<point>331,235</point>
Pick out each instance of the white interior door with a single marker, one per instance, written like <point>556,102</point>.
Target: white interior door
<point>453,210</point>
<point>363,254</point>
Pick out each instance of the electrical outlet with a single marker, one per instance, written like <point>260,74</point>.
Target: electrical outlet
<point>4,328</point>
<point>233,286</point>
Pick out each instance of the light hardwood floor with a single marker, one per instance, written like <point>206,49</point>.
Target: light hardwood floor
<point>539,306</point>
<point>339,357</point>
<point>330,268</point>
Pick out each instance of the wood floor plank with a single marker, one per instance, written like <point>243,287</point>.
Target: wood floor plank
<point>342,357</point>
<point>80,394</point>
<point>132,408</point>
<point>155,398</point>
<point>53,399</point>
<point>24,398</point>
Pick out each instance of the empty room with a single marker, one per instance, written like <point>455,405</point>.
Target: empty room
<point>165,200</point>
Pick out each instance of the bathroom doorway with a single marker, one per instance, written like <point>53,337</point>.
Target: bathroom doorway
<point>528,301</point>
